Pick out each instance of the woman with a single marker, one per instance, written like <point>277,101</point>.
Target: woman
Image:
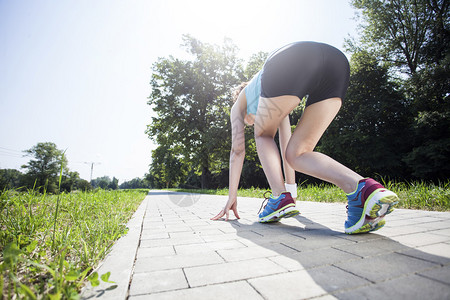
<point>320,72</point>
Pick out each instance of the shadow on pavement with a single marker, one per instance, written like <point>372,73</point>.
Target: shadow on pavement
<point>324,261</point>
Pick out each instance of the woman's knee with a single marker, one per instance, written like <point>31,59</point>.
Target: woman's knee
<point>294,151</point>
<point>262,132</point>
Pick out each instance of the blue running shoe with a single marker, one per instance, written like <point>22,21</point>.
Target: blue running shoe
<point>367,207</point>
<point>275,209</point>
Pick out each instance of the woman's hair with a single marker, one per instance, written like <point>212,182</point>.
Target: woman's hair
<point>237,90</point>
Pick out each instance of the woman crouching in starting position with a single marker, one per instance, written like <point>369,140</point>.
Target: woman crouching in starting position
<point>321,72</point>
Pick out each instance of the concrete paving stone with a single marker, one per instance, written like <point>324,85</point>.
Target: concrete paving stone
<point>150,264</point>
<point>184,234</point>
<point>371,247</point>
<point>441,274</point>
<point>420,239</point>
<point>228,229</point>
<point>416,221</point>
<point>286,262</point>
<point>274,237</point>
<point>312,242</point>
<point>206,232</point>
<point>332,279</point>
<point>245,253</point>
<point>363,237</point>
<point>146,235</point>
<point>153,221</point>
<point>384,267</point>
<point>322,257</point>
<point>234,291</point>
<point>437,253</point>
<point>197,223</point>
<point>228,272</point>
<point>289,285</point>
<point>155,252</point>
<point>171,242</point>
<point>280,248</point>
<point>392,231</point>
<point>222,237</point>
<point>154,226</point>
<point>317,231</point>
<point>277,228</point>
<point>439,224</point>
<point>178,229</point>
<point>445,232</point>
<point>407,287</point>
<point>325,297</point>
<point>207,247</point>
<point>159,281</point>
<point>177,225</point>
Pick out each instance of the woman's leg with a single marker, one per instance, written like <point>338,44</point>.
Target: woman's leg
<point>284,134</point>
<point>271,111</point>
<point>315,120</point>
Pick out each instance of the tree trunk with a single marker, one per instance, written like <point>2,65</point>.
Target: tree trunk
<point>205,178</point>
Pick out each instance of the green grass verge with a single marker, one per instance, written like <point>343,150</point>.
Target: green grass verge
<point>51,243</point>
<point>414,195</point>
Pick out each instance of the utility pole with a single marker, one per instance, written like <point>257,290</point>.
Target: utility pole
<point>92,167</point>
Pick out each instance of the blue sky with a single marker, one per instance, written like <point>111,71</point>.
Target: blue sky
<point>76,73</point>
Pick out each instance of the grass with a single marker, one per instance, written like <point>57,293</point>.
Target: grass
<point>413,195</point>
<point>51,244</point>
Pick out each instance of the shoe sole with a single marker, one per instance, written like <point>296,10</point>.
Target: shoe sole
<point>285,212</point>
<point>377,206</point>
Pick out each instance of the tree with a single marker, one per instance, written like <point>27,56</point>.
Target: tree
<point>167,167</point>
<point>191,99</point>
<point>10,179</point>
<point>369,132</point>
<point>413,37</point>
<point>101,182</point>
<point>398,30</point>
<point>114,185</point>
<point>44,169</point>
<point>83,185</point>
<point>135,183</point>
<point>69,181</point>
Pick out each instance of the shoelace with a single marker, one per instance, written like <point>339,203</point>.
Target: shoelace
<point>266,199</point>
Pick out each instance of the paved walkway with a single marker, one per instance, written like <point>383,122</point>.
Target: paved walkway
<point>174,251</point>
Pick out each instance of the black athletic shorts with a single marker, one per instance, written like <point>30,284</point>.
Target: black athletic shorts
<point>306,68</point>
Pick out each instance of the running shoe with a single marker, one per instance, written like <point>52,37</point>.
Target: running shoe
<point>277,208</point>
<point>367,207</point>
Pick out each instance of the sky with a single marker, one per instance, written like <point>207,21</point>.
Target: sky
<point>77,73</point>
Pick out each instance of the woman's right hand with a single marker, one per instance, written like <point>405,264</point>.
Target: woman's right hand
<point>231,205</point>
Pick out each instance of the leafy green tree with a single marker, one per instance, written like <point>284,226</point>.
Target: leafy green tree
<point>368,133</point>
<point>255,63</point>
<point>397,30</point>
<point>101,182</point>
<point>10,179</point>
<point>83,185</point>
<point>114,185</point>
<point>69,181</point>
<point>44,169</point>
<point>167,167</point>
<point>413,36</point>
<point>135,183</point>
<point>192,99</point>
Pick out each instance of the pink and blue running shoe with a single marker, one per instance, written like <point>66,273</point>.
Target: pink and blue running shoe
<point>367,207</point>
<point>277,208</point>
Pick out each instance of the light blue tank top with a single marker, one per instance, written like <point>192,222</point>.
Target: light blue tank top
<point>252,93</point>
